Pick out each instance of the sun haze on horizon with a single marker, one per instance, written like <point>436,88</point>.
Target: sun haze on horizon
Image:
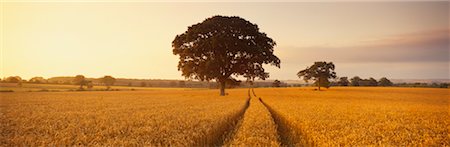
<point>401,40</point>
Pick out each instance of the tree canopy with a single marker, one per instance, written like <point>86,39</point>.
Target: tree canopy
<point>385,82</point>
<point>221,48</point>
<point>37,80</point>
<point>355,81</point>
<point>343,81</point>
<point>108,81</point>
<point>13,79</point>
<point>276,83</point>
<point>80,80</point>
<point>320,72</point>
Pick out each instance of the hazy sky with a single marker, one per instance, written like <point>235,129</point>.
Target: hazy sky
<point>133,40</point>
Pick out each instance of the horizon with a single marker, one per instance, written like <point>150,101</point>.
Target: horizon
<point>397,40</point>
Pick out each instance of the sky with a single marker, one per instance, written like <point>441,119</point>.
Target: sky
<point>399,40</point>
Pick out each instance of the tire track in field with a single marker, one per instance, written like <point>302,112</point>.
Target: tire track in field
<point>288,136</point>
<point>228,128</point>
<point>257,128</point>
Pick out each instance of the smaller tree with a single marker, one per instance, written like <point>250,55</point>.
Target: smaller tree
<point>13,79</point>
<point>37,80</point>
<point>385,82</point>
<point>343,81</point>
<point>372,82</point>
<point>355,81</point>
<point>173,84</point>
<point>108,81</point>
<point>80,80</point>
<point>143,84</point>
<point>232,83</point>
<point>320,72</point>
<point>276,83</point>
<point>89,84</point>
<point>182,83</point>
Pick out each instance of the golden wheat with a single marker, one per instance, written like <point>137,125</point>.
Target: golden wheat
<point>256,129</point>
<point>177,118</point>
<point>362,116</point>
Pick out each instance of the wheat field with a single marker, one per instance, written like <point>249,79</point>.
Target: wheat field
<point>178,118</point>
<point>199,117</point>
<point>362,116</point>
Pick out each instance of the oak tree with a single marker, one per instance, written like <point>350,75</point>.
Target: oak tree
<point>108,81</point>
<point>319,72</point>
<point>385,82</point>
<point>80,80</point>
<point>222,48</point>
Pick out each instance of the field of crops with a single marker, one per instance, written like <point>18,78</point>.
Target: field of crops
<point>176,117</point>
<point>361,116</point>
<point>199,117</point>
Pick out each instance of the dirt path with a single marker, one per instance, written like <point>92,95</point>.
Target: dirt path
<point>256,128</point>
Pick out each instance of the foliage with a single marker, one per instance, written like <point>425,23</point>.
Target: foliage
<point>355,81</point>
<point>385,82</point>
<point>13,79</point>
<point>37,80</point>
<point>143,84</point>
<point>80,80</point>
<point>320,72</point>
<point>343,81</point>
<point>276,83</point>
<point>221,48</point>
<point>108,81</point>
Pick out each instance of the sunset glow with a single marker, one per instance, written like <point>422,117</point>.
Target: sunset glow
<point>133,40</point>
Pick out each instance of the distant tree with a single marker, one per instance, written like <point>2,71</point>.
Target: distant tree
<point>173,84</point>
<point>232,83</point>
<point>130,84</point>
<point>13,79</point>
<point>343,81</point>
<point>143,84</point>
<point>108,81</point>
<point>80,80</point>
<point>372,82</point>
<point>355,81</point>
<point>221,48</point>
<point>37,80</point>
<point>320,72</point>
<point>444,85</point>
<point>276,83</point>
<point>364,82</point>
<point>89,84</point>
<point>182,83</point>
<point>385,82</point>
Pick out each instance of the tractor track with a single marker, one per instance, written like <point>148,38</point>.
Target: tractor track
<point>289,136</point>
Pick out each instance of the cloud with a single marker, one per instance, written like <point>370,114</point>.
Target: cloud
<point>426,46</point>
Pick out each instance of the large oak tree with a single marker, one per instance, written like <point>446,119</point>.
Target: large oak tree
<point>221,48</point>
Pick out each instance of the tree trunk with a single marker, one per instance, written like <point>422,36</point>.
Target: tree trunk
<point>318,84</point>
<point>222,88</point>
